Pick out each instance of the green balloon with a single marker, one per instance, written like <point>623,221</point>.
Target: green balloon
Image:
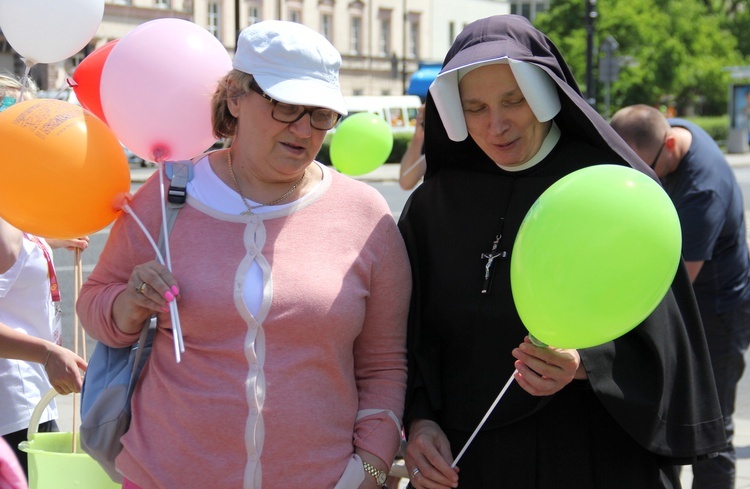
<point>361,143</point>
<point>594,256</point>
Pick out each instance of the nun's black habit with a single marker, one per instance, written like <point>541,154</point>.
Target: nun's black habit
<point>649,401</point>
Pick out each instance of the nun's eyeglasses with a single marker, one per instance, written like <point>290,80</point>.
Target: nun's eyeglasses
<point>320,118</point>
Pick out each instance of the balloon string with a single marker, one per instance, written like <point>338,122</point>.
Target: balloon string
<point>126,207</point>
<point>487,415</point>
<point>413,166</point>
<point>24,81</point>
<point>176,326</point>
<point>176,330</point>
<point>165,231</point>
<point>77,282</point>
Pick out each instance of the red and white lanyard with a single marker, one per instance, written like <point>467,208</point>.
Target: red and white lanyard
<point>54,289</point>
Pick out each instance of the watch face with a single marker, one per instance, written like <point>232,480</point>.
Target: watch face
<point>379,475</point>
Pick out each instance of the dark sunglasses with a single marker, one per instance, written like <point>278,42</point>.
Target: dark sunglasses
<point>658,153</point>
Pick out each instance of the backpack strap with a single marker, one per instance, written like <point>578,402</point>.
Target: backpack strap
<point>179,174</point>
<point>146,338</point>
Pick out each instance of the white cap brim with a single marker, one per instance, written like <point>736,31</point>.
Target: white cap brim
<point>310,92</point>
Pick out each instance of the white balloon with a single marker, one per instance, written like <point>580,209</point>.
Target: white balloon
<point>47,31</point>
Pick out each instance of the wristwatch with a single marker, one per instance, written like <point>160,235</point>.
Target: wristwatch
<point>379,475</point>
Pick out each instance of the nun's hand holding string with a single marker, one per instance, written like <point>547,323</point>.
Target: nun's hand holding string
<point>428,457</point>
<point>150,289</point>
<point>544,370</point>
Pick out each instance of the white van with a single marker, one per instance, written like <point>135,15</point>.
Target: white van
<point>400,111</point>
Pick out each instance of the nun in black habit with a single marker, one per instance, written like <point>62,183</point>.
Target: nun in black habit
<point>505,120</point>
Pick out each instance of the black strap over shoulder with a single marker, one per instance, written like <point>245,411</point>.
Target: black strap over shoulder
<point>179,174</point>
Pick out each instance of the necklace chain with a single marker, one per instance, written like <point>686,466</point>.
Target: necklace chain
<point>245,200</point>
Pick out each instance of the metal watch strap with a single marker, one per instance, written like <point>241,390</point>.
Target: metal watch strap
<point>378,474</point>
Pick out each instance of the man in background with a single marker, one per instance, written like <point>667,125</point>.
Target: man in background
<point>704,190</point>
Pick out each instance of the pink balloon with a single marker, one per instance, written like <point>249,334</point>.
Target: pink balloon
<point>156,88</point>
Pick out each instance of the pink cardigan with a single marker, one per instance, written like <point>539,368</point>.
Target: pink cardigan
<point>281,399</point>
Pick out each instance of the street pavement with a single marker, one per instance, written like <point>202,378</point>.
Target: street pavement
<point>389,172</point>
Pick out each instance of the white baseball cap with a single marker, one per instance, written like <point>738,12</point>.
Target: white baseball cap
<point>536,85</point>
<point>291,63</point>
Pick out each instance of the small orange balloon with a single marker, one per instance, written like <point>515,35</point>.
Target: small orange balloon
<point>62,170</point>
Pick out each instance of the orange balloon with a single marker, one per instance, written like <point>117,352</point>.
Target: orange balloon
<point>62,170</point>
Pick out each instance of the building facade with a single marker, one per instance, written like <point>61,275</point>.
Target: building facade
<point>528,8</point>
<point>382,42</point>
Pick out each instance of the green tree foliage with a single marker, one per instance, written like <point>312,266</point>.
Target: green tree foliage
<point>671,51</point>
<point>739,25</point>
<point>725,7</point>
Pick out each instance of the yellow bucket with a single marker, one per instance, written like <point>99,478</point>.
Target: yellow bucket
<point>52,463</point>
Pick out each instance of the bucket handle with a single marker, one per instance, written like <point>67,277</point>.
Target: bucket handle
<point>37,414</point>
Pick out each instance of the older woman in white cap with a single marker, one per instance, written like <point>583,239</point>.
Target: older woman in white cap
<point>505,120</point>
<point>293,285</point>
